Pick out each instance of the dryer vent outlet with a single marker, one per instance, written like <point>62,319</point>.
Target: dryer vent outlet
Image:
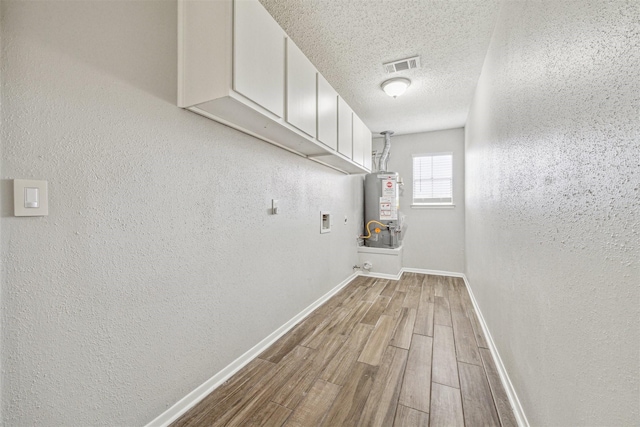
<point>325,222</point>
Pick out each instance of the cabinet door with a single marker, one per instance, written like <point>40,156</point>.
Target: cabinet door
<point>301,90</point>
<point>358,140</point>
<point>258,56</point>
<point>345,128</point>
<point>327,114</point>
<point>366,145</point>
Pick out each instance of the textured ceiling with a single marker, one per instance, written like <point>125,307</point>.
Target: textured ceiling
<point>348,41</point>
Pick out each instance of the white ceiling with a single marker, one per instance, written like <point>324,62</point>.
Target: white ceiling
<point>349,40</point>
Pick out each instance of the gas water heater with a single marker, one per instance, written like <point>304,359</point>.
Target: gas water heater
<point>383,221</point>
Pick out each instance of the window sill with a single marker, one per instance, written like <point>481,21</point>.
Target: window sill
<point>434,206</point>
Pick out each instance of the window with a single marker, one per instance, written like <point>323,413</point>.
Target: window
<point>433,179</point>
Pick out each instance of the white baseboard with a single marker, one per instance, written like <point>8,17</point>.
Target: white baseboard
<point>409,270</point>
<point>521,418</point>
<point>380,275</point>
<point>202,391</point>
<point>432,272</point>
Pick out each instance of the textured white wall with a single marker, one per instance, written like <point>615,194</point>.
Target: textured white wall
<point>158,264</point>
<point>553,207</point>
<point>435,236</point>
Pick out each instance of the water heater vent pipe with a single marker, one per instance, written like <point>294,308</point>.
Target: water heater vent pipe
<point>384,158</point>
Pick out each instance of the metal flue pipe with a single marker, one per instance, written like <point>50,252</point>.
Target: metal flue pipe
<point>384,158</point>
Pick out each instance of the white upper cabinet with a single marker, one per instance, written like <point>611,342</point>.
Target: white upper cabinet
<point>345,128</point>
<point>301,90</point>
<point>238,67</point>
<point>258,56</point>
<point>327,114</point>
<point>361,143</point>
<point>358,140</point>
<point>367,140</point>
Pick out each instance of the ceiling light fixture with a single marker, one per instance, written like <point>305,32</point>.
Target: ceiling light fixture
<point>396,86</point>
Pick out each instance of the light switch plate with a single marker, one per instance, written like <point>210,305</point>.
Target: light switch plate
<point>19,192</point>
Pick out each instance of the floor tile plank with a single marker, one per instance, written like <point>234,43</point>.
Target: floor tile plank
<point>376,310</point>
<point>458,283</point>
<point>445,367</point>
<point>409,417</point>
<point>477,402</point>
<point>473,318</point>
<point>441,287</point>
<point>273,415</point>
<point>355,297</point>
<point>477,329</point>
<point>291,339</point>
<point>361,281</point>
<point>329,349</point>
<point>424,320</point>
<point>426,308</point>
<point>389,289</point>
<point>446,407</point>
<point>465,340</point>
<point>381,405</point>
<point>403,283</point>
<point>325,328</point>
<point>404,329</point>
<point>412,299</point>
<point>415,279</point>
<point>256,398</point>
<point>346,325</point>
<point>349,403</point>
<point>300,381</point>
<point>416,392</point>
<point>428,287</point>
<point>227,395</point>
<point>380,337</point>
<point>394,308</point>
<point>341,364</point>
<point>463,292</point>
<point>505,413</point>
<point>337,300</point>
<point>312,410</point>
<point>373,292</point>
<point>442,316</point>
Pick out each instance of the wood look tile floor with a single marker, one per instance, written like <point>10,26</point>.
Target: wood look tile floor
<point>379,353</point>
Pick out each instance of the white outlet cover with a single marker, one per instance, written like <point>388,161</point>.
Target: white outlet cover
<point>19,208</point>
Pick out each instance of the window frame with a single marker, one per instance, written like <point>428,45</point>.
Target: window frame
<point>445,205</point>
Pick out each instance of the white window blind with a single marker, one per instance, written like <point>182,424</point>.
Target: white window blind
<point>433,179</point>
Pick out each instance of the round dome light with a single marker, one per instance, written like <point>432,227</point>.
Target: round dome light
<point>395,87</point>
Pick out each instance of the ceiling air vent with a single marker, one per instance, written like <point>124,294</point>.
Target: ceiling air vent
<point>401,65</point>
